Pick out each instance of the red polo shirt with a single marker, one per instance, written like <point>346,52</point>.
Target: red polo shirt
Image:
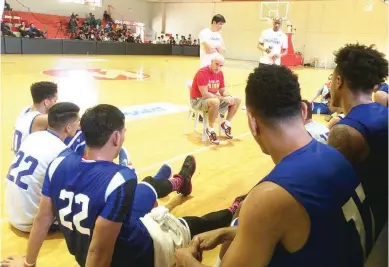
<point>205,77</point>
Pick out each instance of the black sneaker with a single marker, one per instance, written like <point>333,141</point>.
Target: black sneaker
<point>187,170</point>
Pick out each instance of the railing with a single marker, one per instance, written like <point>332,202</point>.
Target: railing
<point>111,9</point>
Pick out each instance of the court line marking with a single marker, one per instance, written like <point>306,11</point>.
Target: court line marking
<point>173,159</point>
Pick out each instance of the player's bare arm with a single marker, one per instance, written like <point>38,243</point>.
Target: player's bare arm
<point>40,228</point>
<point>261,47</point>
<point>281,219</point>
<point>208,48</point>
<point>221,49</point>
<point>103,243</point>
<point>349,142</point>
<point>205,94</point>
<point>40,123</point>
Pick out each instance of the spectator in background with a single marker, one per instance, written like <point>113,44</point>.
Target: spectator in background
<point>107,17</point>
<point>195,42</point>
<point>7,7</point>
<point>73,26</point>
<point>23,30</point>
<point>108,27</point>
<point>163,41</point>
<point>35,32</point>
<point>172,41</point>
<point>177,39</point>
<point>6,30</point>
<point>158,41</point>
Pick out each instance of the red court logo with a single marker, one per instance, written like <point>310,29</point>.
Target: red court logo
<point>98,74</point>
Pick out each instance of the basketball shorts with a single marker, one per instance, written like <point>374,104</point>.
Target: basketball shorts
<point>202,104</point>
<point>320,108</point>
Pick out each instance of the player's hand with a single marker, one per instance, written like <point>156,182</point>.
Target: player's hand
<point>229,100</point>
<point>209,240</point>
<point>275,57</point>
<point>13,261</point>
<point>184,256</point>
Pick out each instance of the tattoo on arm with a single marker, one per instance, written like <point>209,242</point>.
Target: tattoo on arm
<point>349,142</point>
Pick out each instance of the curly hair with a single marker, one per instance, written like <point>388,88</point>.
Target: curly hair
<point>273,93</point>
<point>361,66</point>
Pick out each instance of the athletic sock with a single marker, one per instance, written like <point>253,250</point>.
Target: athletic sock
<point>211,129</point>
<point>227,123</point>
<point>177,182</point>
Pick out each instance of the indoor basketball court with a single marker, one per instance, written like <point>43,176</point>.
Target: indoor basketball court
<point>151,92</point>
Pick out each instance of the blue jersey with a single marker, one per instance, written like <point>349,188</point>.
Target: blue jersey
<point>371,120</point>
<point>326,185</point>
<point>76,143</point>
<point>81,191</point>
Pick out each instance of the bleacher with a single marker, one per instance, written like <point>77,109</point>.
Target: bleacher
<point>51,24</point>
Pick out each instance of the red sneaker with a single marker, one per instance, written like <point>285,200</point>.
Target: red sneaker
<point>212,137</point>
<point>227,130</point>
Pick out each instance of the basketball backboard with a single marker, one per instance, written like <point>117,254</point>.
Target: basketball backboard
<point>270,10</point>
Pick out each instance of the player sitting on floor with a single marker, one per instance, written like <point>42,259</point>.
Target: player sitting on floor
<point>26,174</point>
<point>300,213</point>
<point>315,129</point>
<point>208,93</point>
<point>362,135</point>
<point>107,218</point>
<point>34,117</point>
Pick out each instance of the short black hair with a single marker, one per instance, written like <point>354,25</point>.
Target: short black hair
<point>273,93</point>
<point>62,114</point>
<point>309,108</point>
<point>361,66</point>
<point>43,90</point>
<point>98,124</point>
<point>218,18</point>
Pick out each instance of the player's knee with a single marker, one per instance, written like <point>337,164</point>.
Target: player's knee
<point>237,101</point>
<point>213,102</point>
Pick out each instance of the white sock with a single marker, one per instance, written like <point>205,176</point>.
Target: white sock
<point>228,123</point>
<point>211,129</point>
<point>218,262</point>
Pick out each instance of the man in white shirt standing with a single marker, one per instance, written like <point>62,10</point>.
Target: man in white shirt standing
<point>273,43</point>
<point>211,41</point>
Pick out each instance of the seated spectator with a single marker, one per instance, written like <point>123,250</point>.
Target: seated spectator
<point>158,41</point>
<point>172,41</point>
<point>177,39</point>
<point>23,30</point>
<point>81,36</point>
<point>6,30</point>
<point>194,42</point>
<point>108,27</point>
<point>130,39</point>
<point>208,93</point>
<point>35,32</point>
<point>138,40</point>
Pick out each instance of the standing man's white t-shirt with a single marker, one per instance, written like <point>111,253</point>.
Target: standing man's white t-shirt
<point>214,39</point>
<point>276,41</point>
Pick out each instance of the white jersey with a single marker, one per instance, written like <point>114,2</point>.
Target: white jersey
<point>276,41</point>
<point>26,176</point>
<point>214,39</point>
<point>23,127</point>
<point>317,131</point>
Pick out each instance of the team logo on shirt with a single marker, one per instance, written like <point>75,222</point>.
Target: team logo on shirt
<point>98,74</point>
<point>273,41</point>
<point>213,84</point>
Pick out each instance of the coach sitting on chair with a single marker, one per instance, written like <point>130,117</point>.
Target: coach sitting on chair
<point>208,94</point>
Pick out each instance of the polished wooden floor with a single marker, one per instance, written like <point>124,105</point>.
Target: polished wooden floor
<point>223,172</point>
